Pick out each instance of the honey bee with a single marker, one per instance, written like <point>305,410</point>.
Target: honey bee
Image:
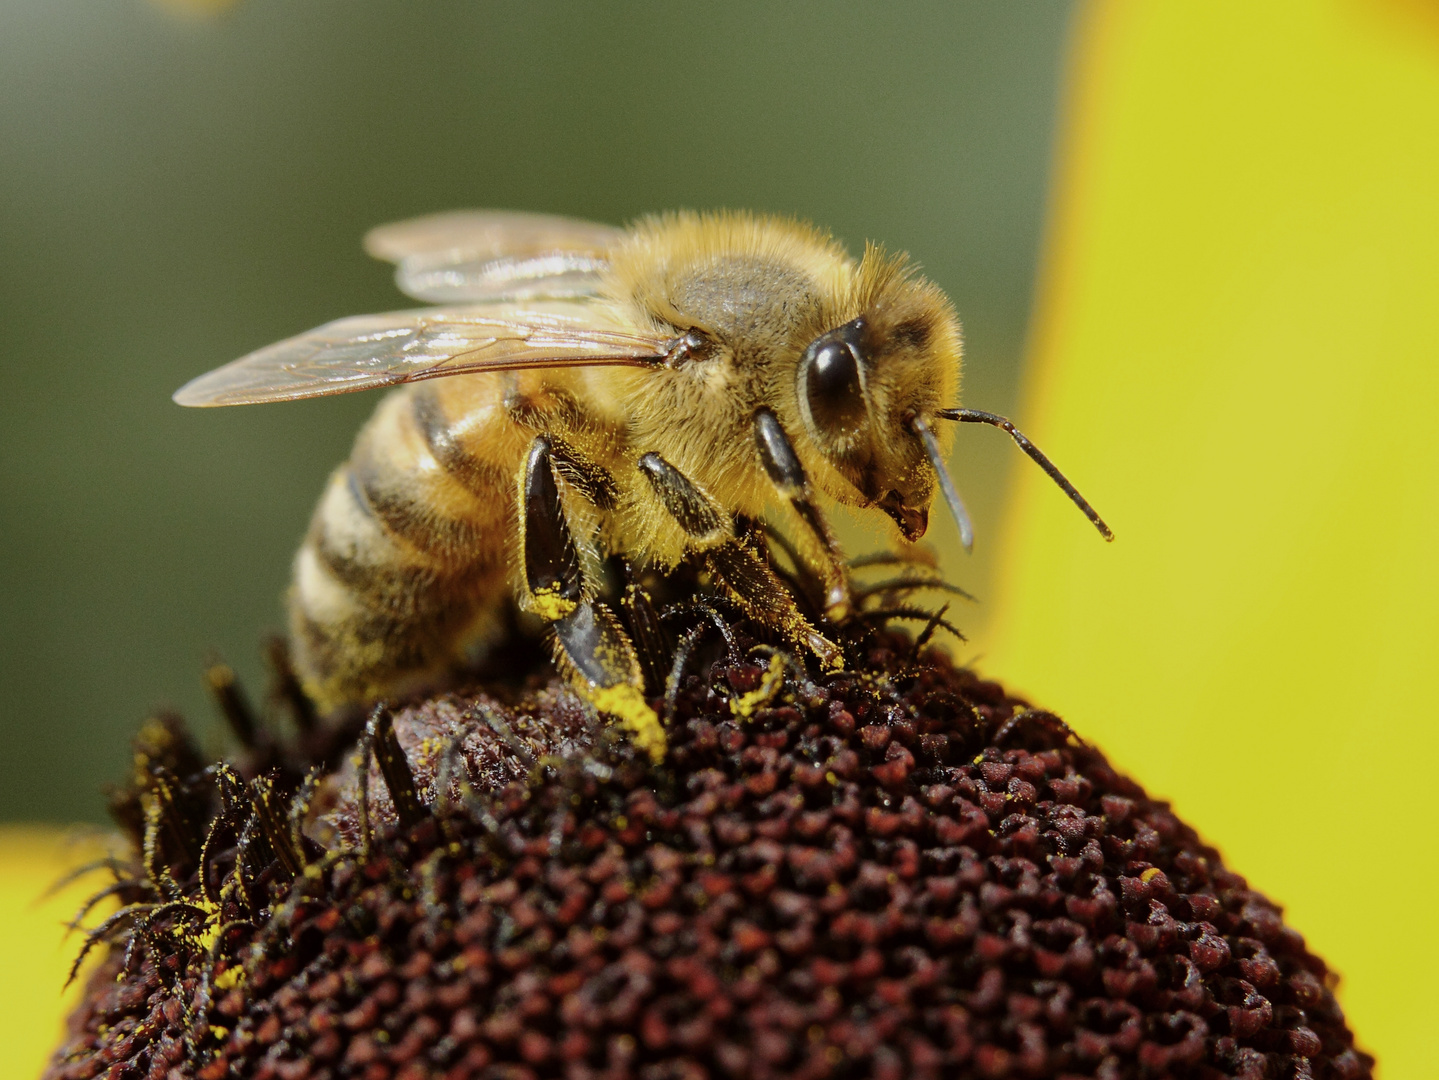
<point>587,389</point>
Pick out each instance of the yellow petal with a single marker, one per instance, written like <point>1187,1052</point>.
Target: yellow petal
<point>33,959</point>
<point>1237,360</point>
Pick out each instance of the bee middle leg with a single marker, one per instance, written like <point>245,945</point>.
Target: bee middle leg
<point>710,530</point>
<point>590,644</point>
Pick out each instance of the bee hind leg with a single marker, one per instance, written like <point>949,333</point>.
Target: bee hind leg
<point>590,645</point>
<point>748,577</point>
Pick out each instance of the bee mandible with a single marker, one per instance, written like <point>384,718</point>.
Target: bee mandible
<point>586,389</point>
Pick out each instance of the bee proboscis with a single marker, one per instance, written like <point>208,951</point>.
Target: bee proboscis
<point>585,389</point>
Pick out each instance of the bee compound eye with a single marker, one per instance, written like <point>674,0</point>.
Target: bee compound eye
<point>832,386</point>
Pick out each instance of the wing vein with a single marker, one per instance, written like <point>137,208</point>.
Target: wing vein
<point>372,351</point>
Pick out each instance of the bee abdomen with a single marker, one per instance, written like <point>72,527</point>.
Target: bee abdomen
<point>479,476</point>
<point>402,559</point>
<point>359,551</point>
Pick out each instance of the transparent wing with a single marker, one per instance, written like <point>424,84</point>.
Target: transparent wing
<point>473,256</point>
<point>488,234</point>
<point>368,351</point>
<point>556,275</point>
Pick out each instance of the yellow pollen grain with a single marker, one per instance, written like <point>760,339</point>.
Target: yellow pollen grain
<point>748,703</point>
<point>549,605</point>
<point>230,978</point>
<point>210,932</point>
<point>628,704</point>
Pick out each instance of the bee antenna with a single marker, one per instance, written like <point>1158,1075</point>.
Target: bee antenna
<point>975,416</point>
<point>946,485</point>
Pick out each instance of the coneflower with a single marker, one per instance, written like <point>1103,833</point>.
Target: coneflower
<point>897,871</point>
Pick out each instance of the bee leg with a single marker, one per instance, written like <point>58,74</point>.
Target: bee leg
<point>748,577</point>
<point>590,644</point>
<point>782,465</point>
<point>590,479</point>
<point>653,644</point>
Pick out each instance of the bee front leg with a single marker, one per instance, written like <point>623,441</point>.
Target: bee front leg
<point>590,644</point>
<point>711,533</point>
<point>783,467</point>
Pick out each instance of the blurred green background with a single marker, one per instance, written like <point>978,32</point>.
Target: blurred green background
<point>175,191</point>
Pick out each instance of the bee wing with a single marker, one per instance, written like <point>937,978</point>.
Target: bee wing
<point>555,275</point>
<point>488,234</point>
<point>484,256</point>
<point>368,351</point>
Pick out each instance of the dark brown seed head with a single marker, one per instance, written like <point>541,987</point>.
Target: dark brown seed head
<point>899,871</point>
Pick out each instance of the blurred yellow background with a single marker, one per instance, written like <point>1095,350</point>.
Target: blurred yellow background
<point>1237,347</point>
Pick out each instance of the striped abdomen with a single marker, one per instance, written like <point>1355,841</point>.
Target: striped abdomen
<point>407,554</point>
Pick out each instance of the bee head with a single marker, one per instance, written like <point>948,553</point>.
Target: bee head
<point>862,384</point>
